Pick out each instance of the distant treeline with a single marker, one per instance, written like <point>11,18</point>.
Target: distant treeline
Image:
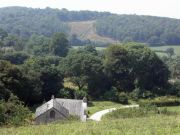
<point>25,22</point>
<point>148,29</point>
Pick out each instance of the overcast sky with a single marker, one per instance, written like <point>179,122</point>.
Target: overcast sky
<point>166,8</point>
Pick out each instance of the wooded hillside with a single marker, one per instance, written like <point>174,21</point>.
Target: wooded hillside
<point>25,22</point>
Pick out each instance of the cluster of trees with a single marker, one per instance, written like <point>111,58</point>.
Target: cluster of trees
<point>36,68</point>
<point>44,65</point>
<point>13,112</point>
<point>66,15</point>
<point>152,30</point>
<point>25,22</point>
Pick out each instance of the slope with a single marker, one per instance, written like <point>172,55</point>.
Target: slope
<point>86,30</point>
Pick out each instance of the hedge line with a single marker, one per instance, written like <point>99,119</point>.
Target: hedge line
<point>162,101</point>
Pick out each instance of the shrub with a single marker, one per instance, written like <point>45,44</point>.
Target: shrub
<point>162,101</point>
<point>80,94</point>
<point>122,98</point>
<point>143,111</point>
<point>14,113</point>
<point>114,95</point>
<point>111,95</point>
<point>66,93</point>
<point>138,93</point>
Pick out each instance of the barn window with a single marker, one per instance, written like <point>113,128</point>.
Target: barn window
<point>52,114</point>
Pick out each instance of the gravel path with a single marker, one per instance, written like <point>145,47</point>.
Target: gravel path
<point>98,115</point>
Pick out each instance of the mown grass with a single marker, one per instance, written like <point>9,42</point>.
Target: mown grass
<point>153,125</point>
<point>96,106</point>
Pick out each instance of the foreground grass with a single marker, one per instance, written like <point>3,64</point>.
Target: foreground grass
<point>96,106</point>
<point>154,125</point>
<point>125,123</point>
<point>173,109</point>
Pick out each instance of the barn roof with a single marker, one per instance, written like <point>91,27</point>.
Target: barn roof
<point>49,105</point>
<point>74,107</point>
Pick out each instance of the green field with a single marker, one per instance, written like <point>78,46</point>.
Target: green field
<point>173,109</point>
<point>157,124</point>
<point>163,48</point>
<point>154,125</point>
<point>160,48</point>
<point>101,105</point>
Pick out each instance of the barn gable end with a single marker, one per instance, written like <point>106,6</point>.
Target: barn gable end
<point>59,109</point>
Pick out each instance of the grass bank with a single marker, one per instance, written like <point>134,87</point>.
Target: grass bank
<point>154,125</point>
<point>96,106</point>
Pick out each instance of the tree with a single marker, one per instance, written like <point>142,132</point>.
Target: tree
<point>3,34</point>
<point>16,57</point>
<point>45,77</point>
<point>14,42</point>
<point>118,67</point>
<point>151,73</point>
<point>174,66</point>
<point>12,80</point>
<point>59,44</point>
<point>170,52</point>
<point>135,66</point>
<point>38,45</point>
<point>13,112</point>
<point>85,71</point>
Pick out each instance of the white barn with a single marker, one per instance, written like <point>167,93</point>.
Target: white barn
<point>59,109</point>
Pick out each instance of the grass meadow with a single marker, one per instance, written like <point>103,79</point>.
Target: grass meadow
<point>159,48</point>
<point>163,48</point>
<point>153,124</point>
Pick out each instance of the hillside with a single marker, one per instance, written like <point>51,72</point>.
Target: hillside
<point>148,29</point>
<point>86,30</point>
<point>97,27</point>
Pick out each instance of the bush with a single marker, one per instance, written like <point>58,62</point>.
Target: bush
<point>138,93</point>
<point>114,95</point>
<point>111,95</point>
<point>161,101</point>
<point>14,113</point>
<point>80,94</point>
<point>143,111</point>
<point>122,98</point>
<point>177,88</point>
<point>66,93</point>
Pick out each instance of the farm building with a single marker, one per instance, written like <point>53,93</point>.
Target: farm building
<point>60,109</point>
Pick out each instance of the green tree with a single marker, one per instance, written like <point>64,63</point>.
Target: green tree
<point>14,113</point>
<point>136,66</point>
<point>47,80</point>
<point>118,67</point>
<point>85,71</point>
<point>59,44</point>
<point>16,57</point>
<point>38,45</point>
<point>12,80</point>
<point>151,73</point>
<point>170,52</point>
<point>3,34</point>
<point>14,41</point>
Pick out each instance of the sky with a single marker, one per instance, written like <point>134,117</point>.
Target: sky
<point>164,8</point>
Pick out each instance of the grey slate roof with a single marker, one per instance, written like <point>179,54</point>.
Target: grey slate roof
<point>75,107</point>
<point>71,106</point>
<point>49,105</point>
